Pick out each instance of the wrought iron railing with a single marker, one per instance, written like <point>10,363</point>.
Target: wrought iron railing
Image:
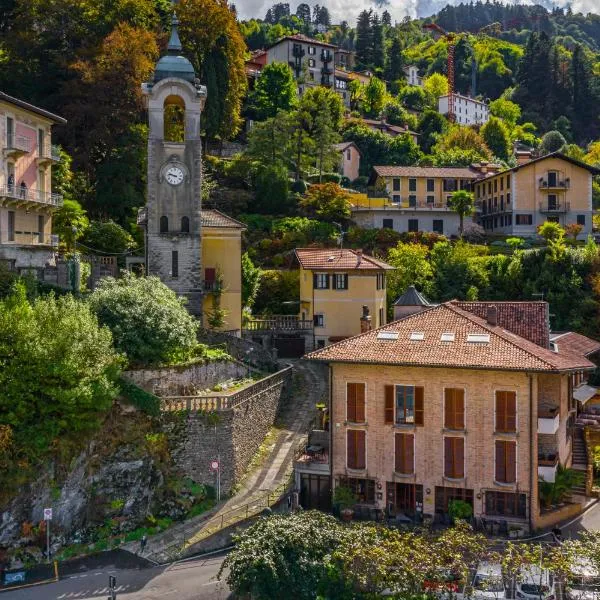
<point>19,192</point>
<point>18,142</point>
<point>279,323</point>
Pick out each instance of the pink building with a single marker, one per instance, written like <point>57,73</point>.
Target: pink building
<point>26,199</point>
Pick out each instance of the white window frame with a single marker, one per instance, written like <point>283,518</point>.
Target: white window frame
<point>320,317</point>
<point>414,387</point>
<point>324,279</point>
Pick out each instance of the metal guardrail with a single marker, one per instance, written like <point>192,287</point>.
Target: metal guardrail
<point>279,323</point>
<point>18,142</point>
<point>18,192</point>
<point>554,207</point>
<point>51,152</point>
<point>224,401</point>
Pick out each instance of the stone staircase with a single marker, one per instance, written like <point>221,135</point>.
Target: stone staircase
<point>580,460</point>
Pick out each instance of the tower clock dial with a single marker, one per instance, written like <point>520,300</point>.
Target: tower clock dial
<point>174,176</point>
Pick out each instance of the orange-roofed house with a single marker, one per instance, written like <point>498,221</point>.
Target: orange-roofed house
<point>469,401</point>
<point>341,290</point>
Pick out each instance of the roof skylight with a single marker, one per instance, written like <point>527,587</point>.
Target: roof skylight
<point>447,337</point>
<point>417,336</point>
<point>388,335</point>
<point>478,338</point>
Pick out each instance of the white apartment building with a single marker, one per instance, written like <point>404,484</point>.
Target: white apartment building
<point>467,111</point>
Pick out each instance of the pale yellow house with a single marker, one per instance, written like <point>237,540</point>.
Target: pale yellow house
<point>447,404</point>
<point>349,160</point>
<point>335,285</point>
<point>551,188</point>
<point>27,202</point>
<point>222,268</point>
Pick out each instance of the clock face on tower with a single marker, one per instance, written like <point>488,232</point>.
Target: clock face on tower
<point>174,175</point>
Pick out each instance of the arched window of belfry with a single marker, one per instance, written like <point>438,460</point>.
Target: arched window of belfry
<point>185,225</point>
<point>174,119</point>
<point>164,224</point>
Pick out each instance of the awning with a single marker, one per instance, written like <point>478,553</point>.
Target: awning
<point>583,393</point>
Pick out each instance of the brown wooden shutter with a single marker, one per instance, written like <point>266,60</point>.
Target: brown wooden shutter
<point>511,462</point>
<point>448,408</point>
<point>419,406</point>
<point>500,467</point>
<point>351,402</point>
<point>454,408</point>
<point>351,449</point>
<point>399,453</point>
<point>459,457</point>
<point>404,453</point>
<point>459,409</point>
<point>511,411</point>
<point>500,412</point>
<point>360,402</point>
<point>448,457</point>
<point>389,404</point>
<point>361,448</point>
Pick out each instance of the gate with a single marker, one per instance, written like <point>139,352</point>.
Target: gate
<point>290,347</point>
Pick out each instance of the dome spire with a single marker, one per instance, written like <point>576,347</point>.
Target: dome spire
<point>174,46</point>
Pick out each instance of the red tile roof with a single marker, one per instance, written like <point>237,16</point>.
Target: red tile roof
<point>450,172</point>
<point>334,259</point>
<point>215,218</point>
<point>504,351</point>
<point>300,37</point>
<point>575,343</point>
<point>530,320</point>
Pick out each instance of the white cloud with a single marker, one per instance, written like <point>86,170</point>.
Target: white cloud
<point>348,10</point>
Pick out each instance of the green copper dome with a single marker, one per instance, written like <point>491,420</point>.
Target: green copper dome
<point>174,64</point>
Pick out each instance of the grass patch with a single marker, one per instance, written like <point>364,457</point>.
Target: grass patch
<point>201,507</point>
<point>264,450</point>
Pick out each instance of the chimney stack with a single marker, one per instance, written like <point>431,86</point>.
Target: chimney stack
<point>358,261</point>
<point>365,320</point>
<point>492,315</point>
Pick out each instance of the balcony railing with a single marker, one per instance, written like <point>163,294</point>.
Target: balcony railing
<point>49,153</point>
<point>28,238</point>
<point>212,285</point>
<point>279,323</point>
<point>17,192</point>
<point>554,207</point>
<point>548,420</point>
<point>298,52</point>
<point>17,144</point>
<point>559,184</point>
<point>547,467</point>
<point>326,56</point>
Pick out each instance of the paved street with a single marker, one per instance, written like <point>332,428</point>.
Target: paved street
<point>191,580</point>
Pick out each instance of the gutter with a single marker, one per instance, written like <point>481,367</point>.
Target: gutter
<point>532,471</point>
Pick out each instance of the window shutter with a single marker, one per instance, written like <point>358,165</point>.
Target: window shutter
<point>334,282</point>
<point>389,404</point>
<point>314,280</point>
<point>500,411</point>
<point>459,460</point>
<point>448,457</point>
<point>360,402</point>
<point>327,281</point>
<point>419,406</point>
<point>351,441</point>
<point>409,453</point>
<point>500,470</point>
<point>454,408</point>
<point>351,402</point>
<point>399,453</point>
<point>511,411</point>
<point>361,459</point>
<point>346,281</point>
<point>511,462</point>
<point>459,409</point>
<point>449,408</point>
<point>404,453</point>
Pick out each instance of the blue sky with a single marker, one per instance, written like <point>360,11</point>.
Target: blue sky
<point>349,9</point>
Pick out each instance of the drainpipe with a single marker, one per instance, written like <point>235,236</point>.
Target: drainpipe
<point>331,426</point>
<point>312,275</point>
<point>532,450</point>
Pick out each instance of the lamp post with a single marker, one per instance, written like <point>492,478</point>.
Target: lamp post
<point>248,352</point>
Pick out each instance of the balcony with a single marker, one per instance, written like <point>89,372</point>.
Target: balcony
<point>314,456</point>
<point>49,155</point>
<point>16,145</point>
<point>547,466</point>
<point>21,196</point>
<point>279,323</point>
<point>298,52</point>
<point>548,420</point>
<point>558,184</point>
<point>419,204</point>
<point>326,56</point>
<point>326,71</point>
<point>555,207</point>
<point>28,238</point>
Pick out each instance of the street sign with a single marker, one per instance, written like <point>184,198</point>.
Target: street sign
<point>47,514</point>
<point>214,465</point>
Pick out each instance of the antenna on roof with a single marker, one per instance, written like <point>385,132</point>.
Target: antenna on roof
<point>341,236</point>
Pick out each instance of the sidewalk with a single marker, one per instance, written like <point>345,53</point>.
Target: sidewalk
<point>262,487</point>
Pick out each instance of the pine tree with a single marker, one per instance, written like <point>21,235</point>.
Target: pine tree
<point>364,39</point>
<point>303,13</point>
<point>323,17</point>
<point>583,101</point>
<point>378,43</point>
<point>386,18</point>
<point>395,61</point>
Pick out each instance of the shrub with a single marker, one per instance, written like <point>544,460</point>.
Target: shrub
<point>146,402</point>
<point>299,187</point>
<point>149,322</point>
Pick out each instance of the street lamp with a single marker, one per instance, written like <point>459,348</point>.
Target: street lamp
<point>248,352</point>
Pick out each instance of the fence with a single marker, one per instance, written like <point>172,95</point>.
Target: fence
<point>279,323</point>
<point>220,402</point>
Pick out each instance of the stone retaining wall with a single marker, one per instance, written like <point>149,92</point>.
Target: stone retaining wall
<point>235,433</point>
<point>173,381</point>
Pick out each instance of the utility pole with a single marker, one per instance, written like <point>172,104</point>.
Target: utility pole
<point>112,584</point>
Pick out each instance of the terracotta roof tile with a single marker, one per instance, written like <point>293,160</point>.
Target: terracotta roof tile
<point>334,259</point>
<point>575,343</point>
<point>530,320</point>
<point>450,172</point>
<point>215,218</point>
<point>503,351</point>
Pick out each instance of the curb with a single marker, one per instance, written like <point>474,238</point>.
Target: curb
<point>28,585</point>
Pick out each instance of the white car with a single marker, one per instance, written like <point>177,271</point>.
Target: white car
<point>488,583</point>
<point>535,583</point>
<point>584,581</point>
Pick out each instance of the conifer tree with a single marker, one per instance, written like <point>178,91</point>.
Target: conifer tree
<point>364,39</point>
<point>378,43</point>
<point>395,61</point>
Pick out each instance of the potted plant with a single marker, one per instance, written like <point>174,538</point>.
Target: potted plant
<point>459,509</point>
<point>345,499</point>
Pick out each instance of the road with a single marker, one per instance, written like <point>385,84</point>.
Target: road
<point>191,580</point>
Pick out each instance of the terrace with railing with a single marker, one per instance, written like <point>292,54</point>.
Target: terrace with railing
<point>278,323</point>
<point>24,195</point>
<point>28,238</point>
<point>16,145</point>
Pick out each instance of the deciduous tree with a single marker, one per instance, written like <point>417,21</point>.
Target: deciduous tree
<point>275,90</point>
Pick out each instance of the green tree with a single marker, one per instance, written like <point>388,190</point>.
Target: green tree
<point>431,126</point>
<point>395,62</point>
<point>275,90</point>
<point>553,141</point>
<point>276,289</point>
<point>272,189</point>
<point>57,379</point>
<point>508,111</point>
<point>327,201</point>
<point>378,40</point>
<point>461,202</point>
<point>269,142</point>
<point>251,276</point>
<point>364,39</point>
<point>107,237</point>
<point>414,97</point>
<point>70,223</point>
<point>373,97</point>
<point>496,136</point>
<point>435,85</point>
<point>149,322</point>
<point>462,139</point>
<point>412,267</point>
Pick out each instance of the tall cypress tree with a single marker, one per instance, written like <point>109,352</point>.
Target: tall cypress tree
<point>395,61</point>
<point>583,100</point>
<point>378,57</point>
<point>364,39</point>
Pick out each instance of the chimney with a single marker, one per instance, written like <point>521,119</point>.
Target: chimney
<point>365,320</point>
<point>492,315</point>
<point>523,156</point>
<point>358,261</point>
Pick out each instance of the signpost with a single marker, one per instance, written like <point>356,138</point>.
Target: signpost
<point>112,584</point>
<point>216,466</point>
<point>48,518</point>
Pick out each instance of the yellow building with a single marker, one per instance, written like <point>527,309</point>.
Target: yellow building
<point>335,285</point>
<point>463,401</point>
<point>551,188</point>
<point>222,265</point>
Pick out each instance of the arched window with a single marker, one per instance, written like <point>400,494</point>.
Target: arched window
<point>185,225</point>
<point>164,224</point>
<point>174,119</point>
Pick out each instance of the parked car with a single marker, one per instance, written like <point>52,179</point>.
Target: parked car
<point>487,584</point>
<point>535,583</point>
<point>583,582</point>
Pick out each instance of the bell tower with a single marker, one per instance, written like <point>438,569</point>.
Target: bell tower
<point>172,214</point>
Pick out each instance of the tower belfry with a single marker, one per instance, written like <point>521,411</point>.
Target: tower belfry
<point>173,205</point>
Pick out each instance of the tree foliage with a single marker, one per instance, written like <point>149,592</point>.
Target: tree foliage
<point>149,322</point>
<point>275,90</point>
<point>327,201</point>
